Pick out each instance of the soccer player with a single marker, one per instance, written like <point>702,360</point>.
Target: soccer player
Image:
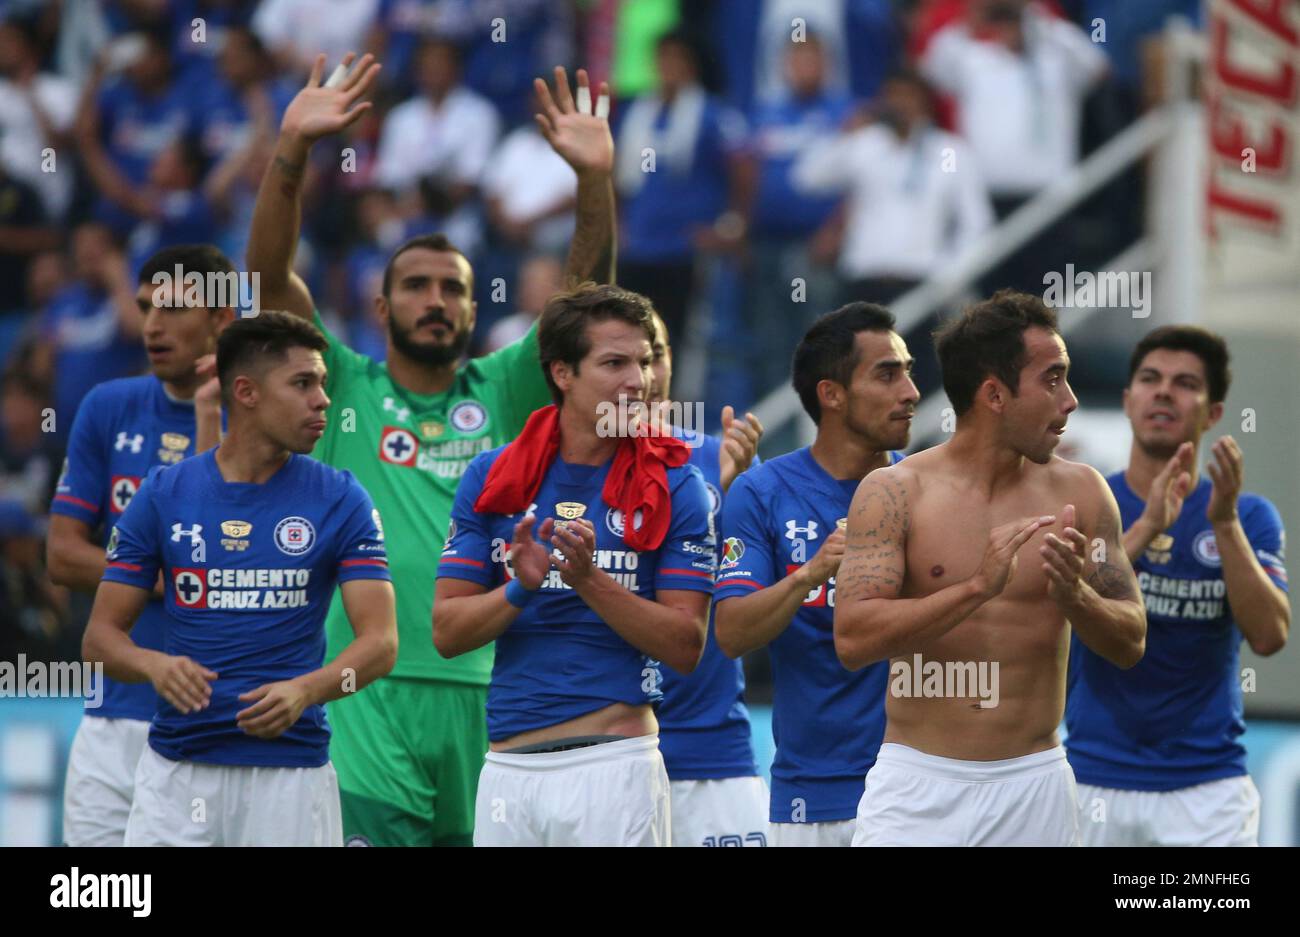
<point>718,796</point>
<point>584,604</point>
<point>122,429</point>
<point>1156,749</point>
<point>409,752</point>
<point>783,539</point>
<point>930,578</point>
<point>251,539</point>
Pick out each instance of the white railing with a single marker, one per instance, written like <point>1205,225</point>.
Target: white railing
<point>1162,132</point>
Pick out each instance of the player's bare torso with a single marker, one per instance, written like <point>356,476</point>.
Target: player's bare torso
<point>1011,653</point>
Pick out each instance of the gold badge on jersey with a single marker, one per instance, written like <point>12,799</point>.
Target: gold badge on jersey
<point>174,446</point>
<point>570,510</point>
<point>234,530</point>
<point>431,429</point>
<point>1159,549</point>
<point>842,523</point>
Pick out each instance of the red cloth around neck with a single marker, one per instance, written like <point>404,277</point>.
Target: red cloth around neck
<point>637,481</point>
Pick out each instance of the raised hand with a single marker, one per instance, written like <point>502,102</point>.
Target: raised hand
<point>739,444</point>
<point>1228,472</point>
<point>579,136</point>
<point>209,390</point>
<point>1168,490</point>
<point>318,111</point>
<point>999,562</point>
<point>530,560</point>
<point>1063,560</point>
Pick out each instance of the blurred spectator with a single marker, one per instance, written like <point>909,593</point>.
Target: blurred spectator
<point>24,232</point>
<point>91,328</point>
<point>1019,76</point>
<point>33,612</point>
<point>297,30</point>
<point>185,212</point>
<point>678,171</point>
<point>539,277</point>
<point>29,456</point>
<point>916,200</point>
<point>784,222</point>
<point>381,230</point>
<point>37,109</point>
<point>530,192</point>
<point>245,85</point>
<point>126,125</point>
<point>439,142</point>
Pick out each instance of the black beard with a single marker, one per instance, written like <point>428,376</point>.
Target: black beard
<point>435,355</point>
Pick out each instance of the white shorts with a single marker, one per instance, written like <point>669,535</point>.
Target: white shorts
<point>187,803</point>
<point>720,812</point>
<point>825,833</point>
<point>98,790</point>
<point>611,794</point>
<point>1217,813</point>
<point>915,799</point>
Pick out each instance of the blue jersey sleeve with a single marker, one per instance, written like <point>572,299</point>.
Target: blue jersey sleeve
<point>1263,528</point>
<point>134,552</point>
<point>687,555</point>
<point>467,554</point>
<point>747,563</point>
<point>81,489</point>
<point>361,553</point>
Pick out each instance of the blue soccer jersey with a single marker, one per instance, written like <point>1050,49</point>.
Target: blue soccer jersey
<point>558,660</point>
<point>249,571</point>
<point>827,721</point>
<point>703,723</point>
<point>122,430</point>
<point>1174,720</point>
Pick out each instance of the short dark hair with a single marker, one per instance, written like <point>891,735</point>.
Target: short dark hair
<point>987,340</point>
<point>269,334</point>
<point>1206,345</point>
<point>562,328</point>
<point>828,351</point>
<point>432,242</point>
<point>192,258</point>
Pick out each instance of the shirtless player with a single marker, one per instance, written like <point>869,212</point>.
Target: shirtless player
<point>930,574</point>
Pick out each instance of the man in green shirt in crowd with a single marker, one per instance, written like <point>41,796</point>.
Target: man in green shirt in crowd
<point>408,751</point>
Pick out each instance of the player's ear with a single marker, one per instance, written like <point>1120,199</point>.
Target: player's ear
<point>993,393</point>
<point>562,374</point>
<point>830,394</point>
<point>381,310</point>
<point>1214,414</point>
<point>223,317</point>
<point>245,391</point>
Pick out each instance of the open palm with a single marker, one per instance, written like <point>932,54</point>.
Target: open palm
<point>582,139</point>
<point>318,111</point>
<point>531,560</point>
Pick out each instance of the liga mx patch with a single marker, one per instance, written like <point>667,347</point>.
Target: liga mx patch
<point>190,587</point>
<point>398,446</point>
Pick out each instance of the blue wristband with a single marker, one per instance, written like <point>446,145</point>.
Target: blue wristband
<point>517,595</point>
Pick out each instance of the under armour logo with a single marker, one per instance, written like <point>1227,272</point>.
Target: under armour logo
<point>123,440</point>
<point>199,554</point>
<point>794,532</point>
<point>401,413</point>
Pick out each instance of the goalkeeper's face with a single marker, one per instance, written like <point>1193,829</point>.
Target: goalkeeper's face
<point>176,335</point>
<point>429,310</point>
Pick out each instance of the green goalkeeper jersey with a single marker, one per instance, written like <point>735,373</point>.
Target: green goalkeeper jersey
<point>409,451</point>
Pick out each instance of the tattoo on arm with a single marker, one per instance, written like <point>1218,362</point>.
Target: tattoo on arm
<point>873,558</point>
<point>290,176</point>
<point>1113,576</point>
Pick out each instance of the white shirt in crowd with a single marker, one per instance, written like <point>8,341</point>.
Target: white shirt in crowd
<point>22,140</point>
<point>334,27</point>
<point>912,205</point>
<point>1019,112</point>
<point>530,179</point>
<point>451,140</point>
